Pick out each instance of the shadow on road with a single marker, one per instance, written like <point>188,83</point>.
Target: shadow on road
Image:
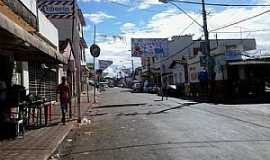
<point>248,100</point>
<point>121,105</point>
<point>185,144</point>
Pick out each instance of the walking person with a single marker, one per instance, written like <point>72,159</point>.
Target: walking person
<point>64,91</point>
<point>203,78</point>
<point>164,90</point>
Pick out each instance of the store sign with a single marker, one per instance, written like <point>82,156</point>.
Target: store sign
<point>232,56</point>
<point>149,47</point>
<point>56,7</point>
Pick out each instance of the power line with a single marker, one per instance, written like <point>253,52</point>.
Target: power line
<point>195,21</point>
<point>247,31</point>
<point>223,4</point>
<point>184,30</point>
<point>241,21</point>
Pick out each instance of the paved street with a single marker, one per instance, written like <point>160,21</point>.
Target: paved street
<point>127,126</point>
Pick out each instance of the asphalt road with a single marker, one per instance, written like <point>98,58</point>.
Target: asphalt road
<point>137,126</point>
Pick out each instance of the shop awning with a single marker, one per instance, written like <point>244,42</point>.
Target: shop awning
<point>25,46</point>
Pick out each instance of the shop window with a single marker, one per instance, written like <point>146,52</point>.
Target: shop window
<point>196,51</point>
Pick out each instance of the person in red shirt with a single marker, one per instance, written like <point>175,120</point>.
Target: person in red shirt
<point>63,90</point>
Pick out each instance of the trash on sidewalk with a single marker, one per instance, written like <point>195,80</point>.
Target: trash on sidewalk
<point>69,140</point>
<point>89,133</point>
<point>85,122</point>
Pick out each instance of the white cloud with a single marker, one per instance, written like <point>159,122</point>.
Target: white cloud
<point>89,0</point>
<point>128,28</point>
<point>147,4</point>
<point>98,17</point>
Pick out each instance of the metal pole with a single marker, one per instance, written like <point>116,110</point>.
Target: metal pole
<point>94,66</point>
<point>94,80</point>
<point>87,86</point>
<point>133,73</point>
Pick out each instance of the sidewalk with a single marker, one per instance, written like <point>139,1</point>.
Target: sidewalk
<point>39,144</point>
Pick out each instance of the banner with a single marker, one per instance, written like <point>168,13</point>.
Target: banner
<point>149,47</point>
<point>104,64</point>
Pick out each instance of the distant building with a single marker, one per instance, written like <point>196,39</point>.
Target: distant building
<point>232,63</point>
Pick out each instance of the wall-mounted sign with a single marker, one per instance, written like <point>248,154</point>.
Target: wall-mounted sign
<point>56,7</point>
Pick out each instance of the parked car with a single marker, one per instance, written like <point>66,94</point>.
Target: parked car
<point>137,87</point>
<point>121,85</point>
<point>155,89</point>
<point>111,85</point>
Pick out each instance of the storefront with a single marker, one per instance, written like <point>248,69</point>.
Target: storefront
<point>249,78</point>
<point>27,65</point>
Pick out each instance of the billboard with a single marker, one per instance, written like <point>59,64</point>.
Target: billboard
<point>149,47</point>
<point>56,7</point>
<point>104,64</point>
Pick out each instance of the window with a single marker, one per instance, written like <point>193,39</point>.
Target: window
<point>196,51</point>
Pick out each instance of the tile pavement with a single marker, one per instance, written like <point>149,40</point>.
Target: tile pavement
<point>39,144</point>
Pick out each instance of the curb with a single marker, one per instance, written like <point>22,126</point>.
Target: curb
<point>52,151</point>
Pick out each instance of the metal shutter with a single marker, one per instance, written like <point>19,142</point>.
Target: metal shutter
<point>42,81</point>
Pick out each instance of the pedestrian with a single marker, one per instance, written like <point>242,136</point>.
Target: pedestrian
<point>203,78</point>
<point>164,91</point>
<point>64,91</point>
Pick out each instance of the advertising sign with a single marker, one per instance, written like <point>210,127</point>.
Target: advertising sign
<point>149,47</point>
<point>56,7</point>
<point>104,64</point>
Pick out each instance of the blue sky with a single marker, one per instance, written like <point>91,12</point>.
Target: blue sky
<point>149,19</point>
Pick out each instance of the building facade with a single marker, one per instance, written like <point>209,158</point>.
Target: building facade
<point>69,20</point>
<point>29,58</point>
<point>29,45</point>
<point>182,66</point>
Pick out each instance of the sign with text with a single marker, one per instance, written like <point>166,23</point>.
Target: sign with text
<point>56,7</point>
<point>104,64</point>
<point>149,47</point>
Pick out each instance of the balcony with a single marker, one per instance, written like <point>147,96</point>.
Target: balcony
<point>26,15</point>
<point>47,30</point>
<point>21,9</point>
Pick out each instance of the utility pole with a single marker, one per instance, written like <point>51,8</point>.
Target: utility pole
<point>78,67</point>
<point>206,33</point>
<point>95,66</point>
<point>207,46</point>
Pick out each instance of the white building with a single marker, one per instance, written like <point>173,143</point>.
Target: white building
<point>184,62</point>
